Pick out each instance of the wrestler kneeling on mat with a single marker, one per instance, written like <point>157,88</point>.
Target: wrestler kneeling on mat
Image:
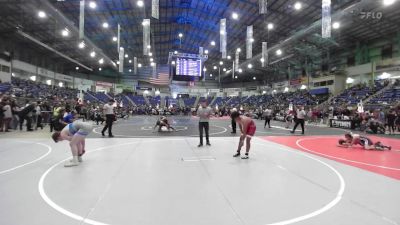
<point>365,142</point>
<point>75,133</point>
<point>163,122</point>
<point>248,129</point>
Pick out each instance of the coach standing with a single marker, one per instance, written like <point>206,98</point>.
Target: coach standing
<point>204,112</point>
<point>233,122</point>
<point>108,110</point>
<point>299,120</point>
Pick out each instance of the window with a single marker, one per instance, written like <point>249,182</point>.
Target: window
<point>5,69</point>
<point>329,82</point>
<point>351,61</point>
<point>387,52</point>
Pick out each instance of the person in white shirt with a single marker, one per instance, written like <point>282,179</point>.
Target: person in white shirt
<point>204,112</point>
<point>108,110</point>
<point>268,116</point>
<point>7,116</point>
<point>300,116</point>
<point>38,115</point>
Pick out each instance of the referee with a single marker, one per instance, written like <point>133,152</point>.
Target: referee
<point>108,110</point>
<point>299,120</point>
<point>204,112</point>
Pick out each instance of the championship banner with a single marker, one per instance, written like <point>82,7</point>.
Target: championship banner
<point>135,64</point>
<point>146,36</point>
<point>237,60</point>
<point>326,19</point>
<point>262,4</point>
<point>264,54</point>
<point>118,37</point>
<point>155,70</point>
<point>222,39</point>
<point>201,50</point>
<point>81,19</point>
<point>121,60</point>
<point>249,42</point>
<point>155,5</point>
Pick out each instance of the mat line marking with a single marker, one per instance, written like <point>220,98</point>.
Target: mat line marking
<point>31,162</point>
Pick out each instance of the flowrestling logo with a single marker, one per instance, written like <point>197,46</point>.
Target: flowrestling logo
<point>367,15</point>
<point>341,124</point>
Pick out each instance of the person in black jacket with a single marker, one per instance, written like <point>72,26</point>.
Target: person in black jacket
<point>23,115</point>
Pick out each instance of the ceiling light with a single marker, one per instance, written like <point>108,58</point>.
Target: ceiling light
<point>303,87</point>
<point>240,70</point>
<point>249,66</point>
<point>61,84</point>
<point>180,35</point>
<point>262,60</point>
<point>224,69</point>
<point>229,57</point>
<point>77,68</point>
<point>105,25</point>
<point>215,67</point>
<point>206,51</point>
<point>126,55</point>
<point>335,25</point>
<point>235,16</point>
<point>33,78</point>
<point>175,52</point>
<point>139,65</point>
<point>42,14</point>
<point>388,2</point>
<point>205,69</point>
<point>150,54</point>
<point>93,54</point>
<point>81,44</point>
<point>270,26</point>
<point>101,61</point>
<point>152,64</point>
<point>251,40</point>
<point>213,43</point>
<point>278,52</point>
<point>221,63</point>
<point>235,77</point>
<point>117,62</point>
<point>115,39</point>
<point>148,46</point>
<point>65,33</point>
<point>254,78</point>
<point>298,6</point>
<point>99,69</point>
<point>92,4</point>
<point>151,59</point>
<point>130,70</point>
<point>48,82</point>
<point>140,3</point>
<point>238,50</point>
<point>173,62</point>
<point>210,74</point>
<point>130,61</point>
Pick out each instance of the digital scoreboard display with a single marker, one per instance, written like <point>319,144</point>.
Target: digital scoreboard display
<point>188,67</point>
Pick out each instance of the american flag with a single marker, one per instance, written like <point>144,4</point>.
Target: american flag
<point>162,79</point>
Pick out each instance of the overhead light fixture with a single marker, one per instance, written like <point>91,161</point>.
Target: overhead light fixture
<point>206,51</point>
<point>262,60</point>
<point>157,92</point>
<point>175,52</point>
<point>126,55</point>
<point>254,78</point>
<point>101,61</point>
<point>251,40</point>
<point>48,82</point>
<point>32,78</point>
<point>130,70</point>
<point>238,50</point>
<point>65,32</point>
<point>100,69</point>
<point>150,54</point>
<point>81,45</point>
<point>173,62</point>
<point>385,75</point>
<point>212,43</point>
<point>235,16</point>
<point>139,65</point>
<point>210,74</point>
<point>180,35</point>
<point>335,25</point>
<point>303,87</point>
<point>270,26</point>
<point>249,66</point>
<point>105,25</point>
<point>221,63</point>
<point>215,67</point>
<point>130,61</point>
<point>42,14</point>
<point>115,39</point>
<point>93,54</point>
<point>240,70</point>
<point>92,4</point>
<point>388,2</point>
<point>224,69</point>
<point>151,59</point>
<point>286,89</point>
<point>140,3</point>
<point>278,52</point>
<point>148,46</point>
<point>117,62</point>
<point>298,5</point>
<point>229,57</point>
<point>152,64</point>
<point>61,84</point>
<point>13,74</point>
<point>205,69</point>
<point>77,68</point>
<point>235,77</point>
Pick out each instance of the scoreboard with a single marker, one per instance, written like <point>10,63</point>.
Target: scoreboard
<point>188,67</point>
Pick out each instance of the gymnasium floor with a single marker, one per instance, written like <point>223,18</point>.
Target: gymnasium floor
<point>145,178</point>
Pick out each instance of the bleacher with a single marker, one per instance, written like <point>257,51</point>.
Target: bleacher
<point>154,101</point>
<point>138,100</point>
<point>390,96</point>
<point>355,94</point>
<point>189,102</point>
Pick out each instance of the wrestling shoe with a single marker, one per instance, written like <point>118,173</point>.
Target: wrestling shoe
<point>236,155</point>
<point>208,144</point>
<point>200,145</point>
<point>245,156</point>
<point>72,162</point>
